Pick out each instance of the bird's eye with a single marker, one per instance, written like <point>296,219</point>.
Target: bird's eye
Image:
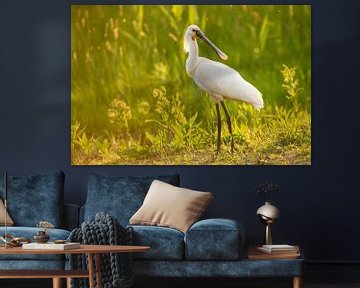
<point>194,30</point>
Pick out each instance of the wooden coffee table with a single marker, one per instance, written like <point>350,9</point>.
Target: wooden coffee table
<point>92,251</point>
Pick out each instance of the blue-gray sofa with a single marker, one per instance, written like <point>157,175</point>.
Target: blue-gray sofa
<point>32,199</point>
<point>210,248</point>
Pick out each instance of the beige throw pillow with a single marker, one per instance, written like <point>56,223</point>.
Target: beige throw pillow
<point>170,206</point>
<point>9,221</point>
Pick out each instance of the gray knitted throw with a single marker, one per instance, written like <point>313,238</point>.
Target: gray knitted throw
<point>116,268</point>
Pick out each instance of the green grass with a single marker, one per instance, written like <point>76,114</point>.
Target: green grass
<point>133,103</point>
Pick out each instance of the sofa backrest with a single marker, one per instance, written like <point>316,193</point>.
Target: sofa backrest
<point>120,196</point>
<point>35,198</point>
<point>70,219</point>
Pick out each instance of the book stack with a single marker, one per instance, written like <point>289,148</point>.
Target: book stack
<point>51,246</point>
<point>279,249</point>
<point>282,251</point>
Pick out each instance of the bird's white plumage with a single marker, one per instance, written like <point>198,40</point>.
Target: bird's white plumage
<point>216,78</point>
<point>219,79</point>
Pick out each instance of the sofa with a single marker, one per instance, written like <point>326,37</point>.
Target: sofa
<point>209,248</point>
<point>32,199</point>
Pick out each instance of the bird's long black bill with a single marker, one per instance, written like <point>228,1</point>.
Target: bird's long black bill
<point>202,36</point>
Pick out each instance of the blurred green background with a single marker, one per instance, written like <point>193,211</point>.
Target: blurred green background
<point>133,103</point>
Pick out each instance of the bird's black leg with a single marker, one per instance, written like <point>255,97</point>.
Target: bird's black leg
<point>228,120</point>
<point>219,126</point>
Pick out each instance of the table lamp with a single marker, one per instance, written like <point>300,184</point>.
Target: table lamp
<point>268,214</point>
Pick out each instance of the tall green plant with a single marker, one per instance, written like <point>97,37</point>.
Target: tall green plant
<point>174,129</point>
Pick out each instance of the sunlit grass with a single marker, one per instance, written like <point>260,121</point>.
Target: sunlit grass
<point>133,103</point>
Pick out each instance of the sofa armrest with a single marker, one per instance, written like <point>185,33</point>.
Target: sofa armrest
<point>215,239</point>
<point>71,216</point>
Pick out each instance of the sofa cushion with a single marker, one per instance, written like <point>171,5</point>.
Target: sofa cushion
<point>165,243</point>
<point>170,206</point>
<point>29,232</point>
<point>214,239</point>
<point>35,198</point>
<point>119,196</point>
<point>9,221</point>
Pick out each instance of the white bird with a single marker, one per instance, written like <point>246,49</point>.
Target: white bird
<point>217,79</point>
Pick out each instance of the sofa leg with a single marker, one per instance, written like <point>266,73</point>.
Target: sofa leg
<point>297,282</point>
<point>57,283</point>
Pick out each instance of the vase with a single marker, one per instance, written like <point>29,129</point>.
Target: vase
<point>268,214</point>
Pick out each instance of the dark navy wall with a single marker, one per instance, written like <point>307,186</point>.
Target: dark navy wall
<point>318,203</point>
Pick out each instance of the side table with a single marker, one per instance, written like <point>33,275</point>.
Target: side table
<point>288,259</point>
<point>93,251</point>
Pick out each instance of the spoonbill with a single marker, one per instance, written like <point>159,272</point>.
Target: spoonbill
<point>217,79</point>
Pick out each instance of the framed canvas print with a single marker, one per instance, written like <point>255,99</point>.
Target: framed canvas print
<point>190,85</point>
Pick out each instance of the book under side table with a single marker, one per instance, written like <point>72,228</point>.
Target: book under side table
<point>291,264</point>
<point>94,267</point>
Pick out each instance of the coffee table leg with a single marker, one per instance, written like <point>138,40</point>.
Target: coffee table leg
<point>98,270</point>
<point>91,270</point>
<point>68,282</point>
<point>297,282</point>
<point>57,283</point>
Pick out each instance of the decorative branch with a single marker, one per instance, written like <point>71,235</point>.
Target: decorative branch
<point>265,189</point>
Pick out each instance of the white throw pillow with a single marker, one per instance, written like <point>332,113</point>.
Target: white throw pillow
<point>170,206</point>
